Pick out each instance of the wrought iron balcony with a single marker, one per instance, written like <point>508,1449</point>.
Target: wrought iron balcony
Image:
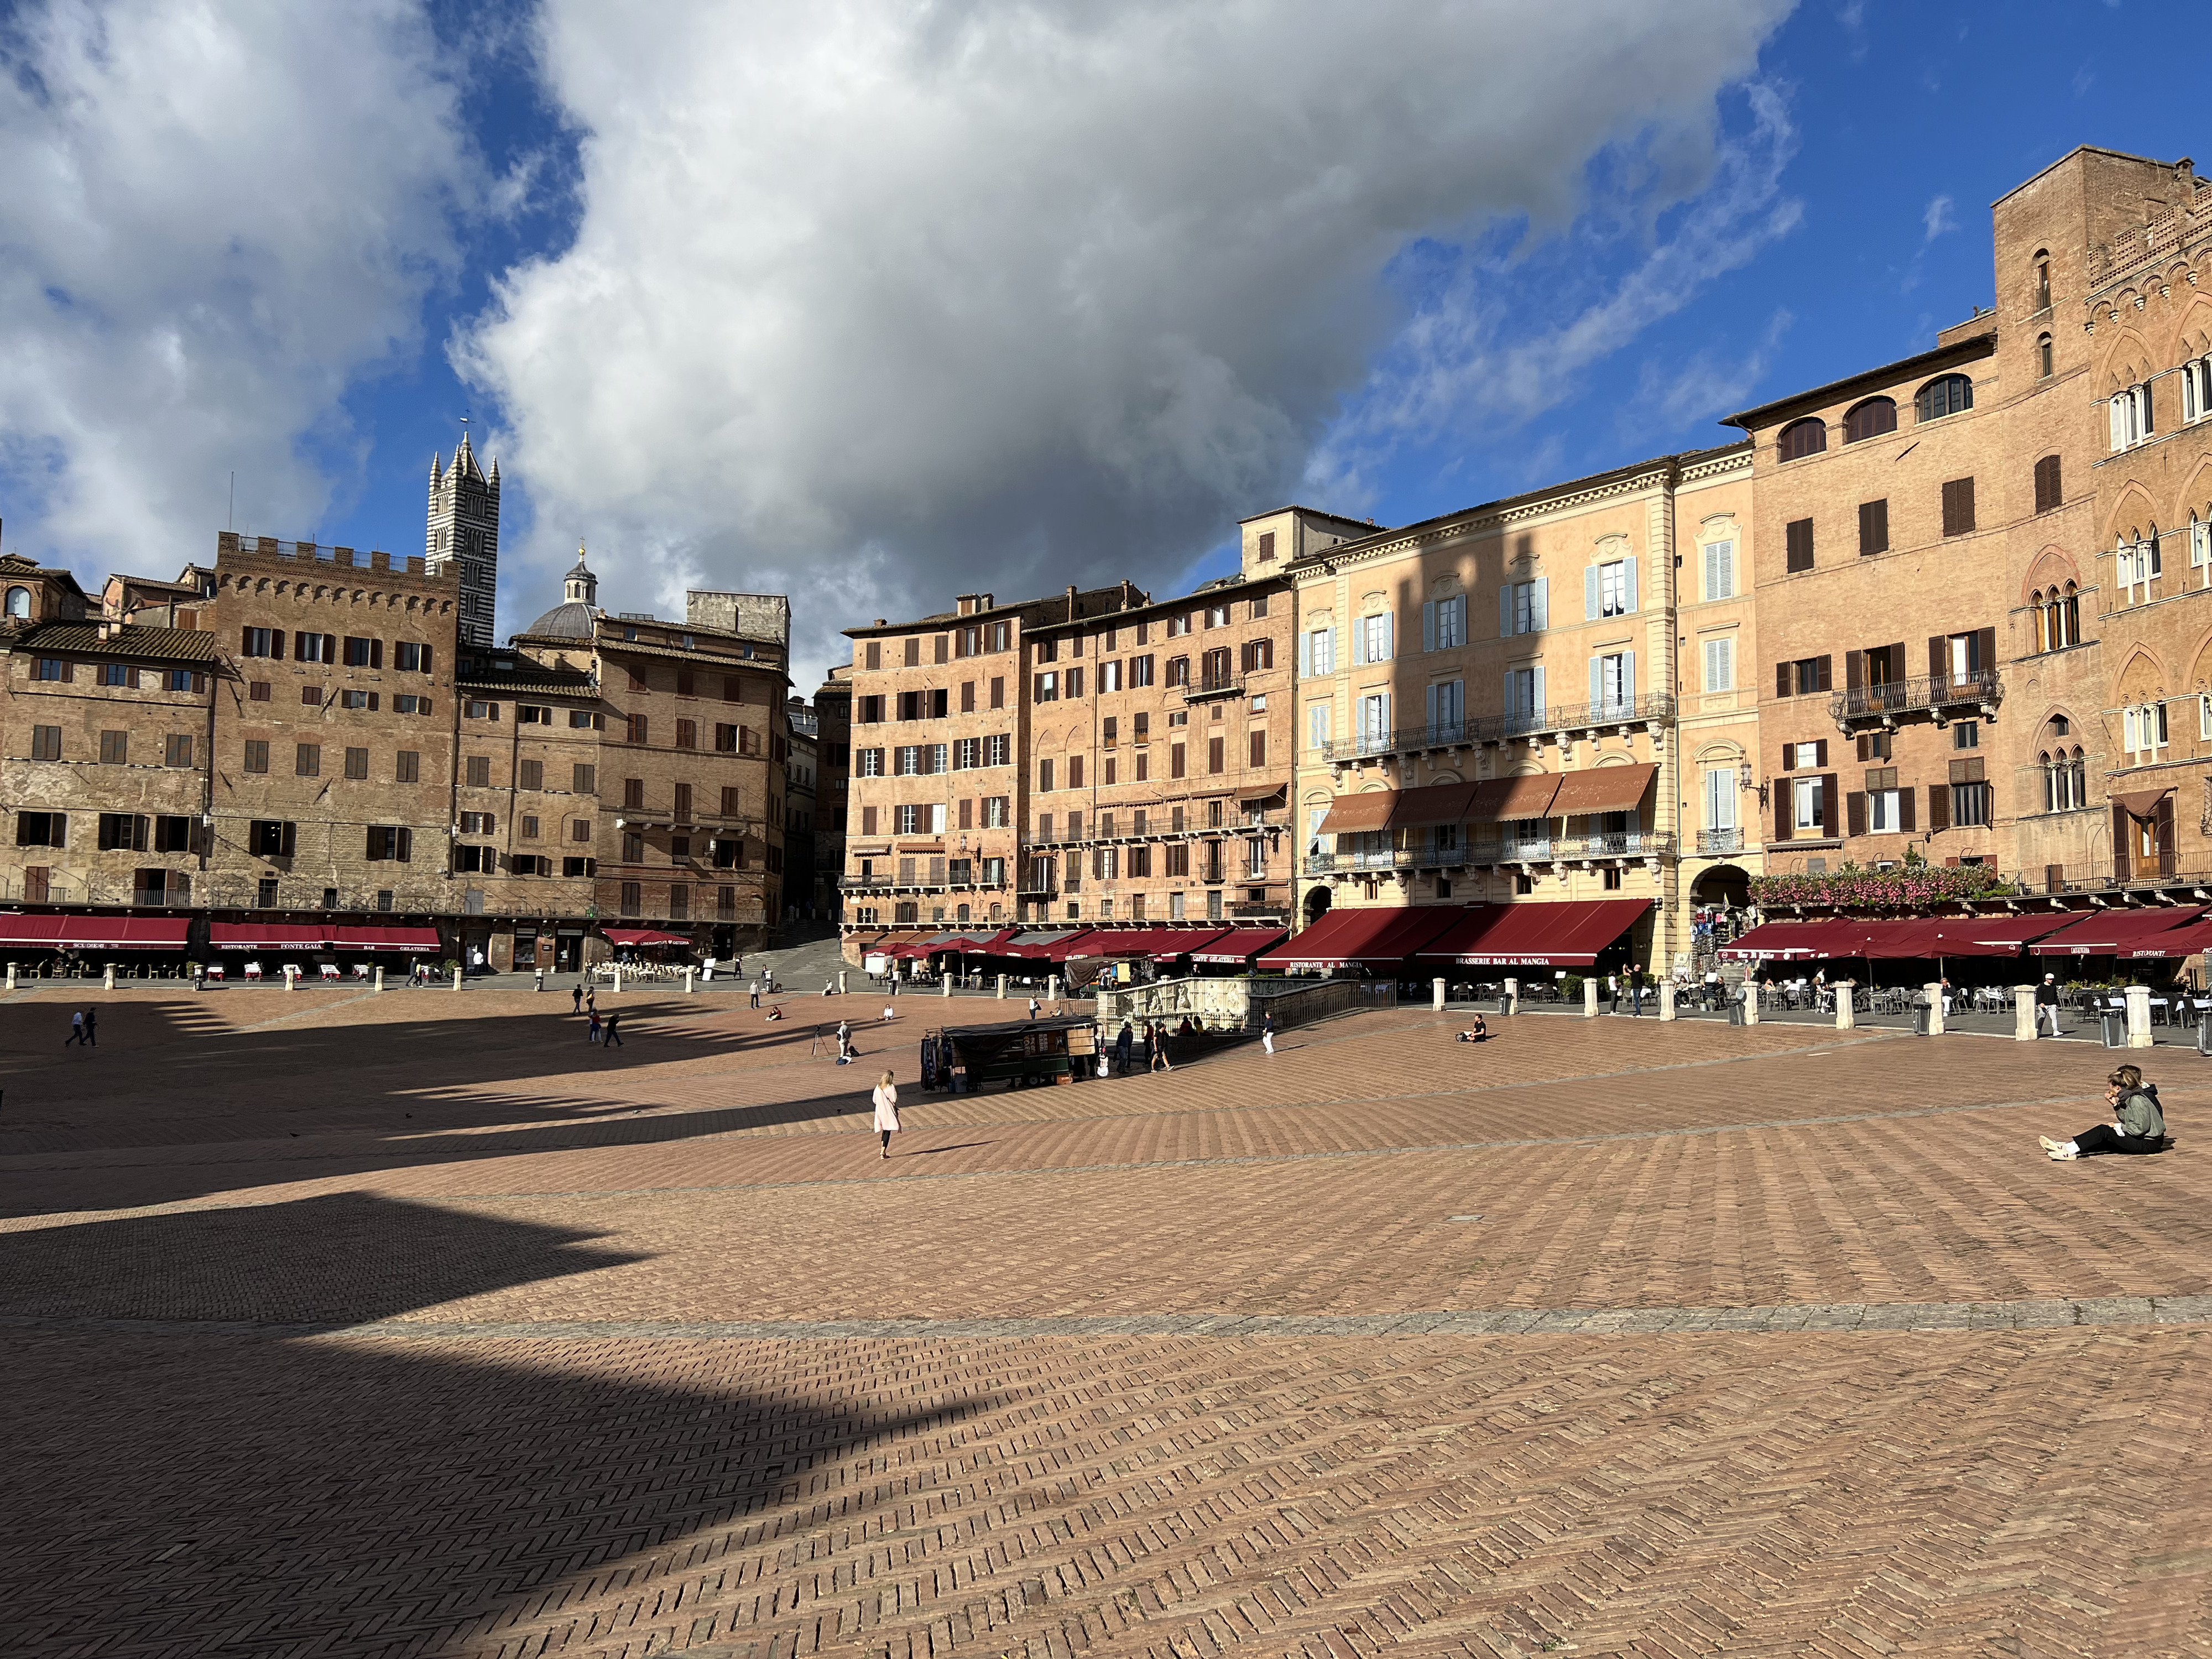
<point>1209,687</point>
<point>1938,696</point>
<point>1430,854</point>
<point>1713,841</point>
<point>1648,708</point>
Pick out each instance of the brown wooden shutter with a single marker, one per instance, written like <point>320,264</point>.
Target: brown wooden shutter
<point>1782,796</point>
<point>1213,754</point>
<point>1939,806</point>
<point>1831,817</point>
<point>1939,666</point>
<point>2121,830</point>
<point>967,814</point>
<point>1866,747</point>
<point>1826,664</point>
<point>1985,650</point>
<point>2054,878</point>
<point>1855,810</point>
<point>1787,757</point>
<point>1854,669</point>
<point>1905,806</point>
<point>867,820</point>
<point>2165,834</point>
<point>1819,751</point>
<point>1782,679</point>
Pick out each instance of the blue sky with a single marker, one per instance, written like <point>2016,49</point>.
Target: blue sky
<point>1057,297</point>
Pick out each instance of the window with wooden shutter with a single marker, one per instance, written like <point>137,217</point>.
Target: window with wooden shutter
<point>1874,527</point>
<point>1259,748</point>
<point>1958,507</point>
<point>1797,536</point>
<point>1803,438</point>
<point>2048,493</point>
<point>1213,755</point>
<point>1939,806</point>
<point>1870,419</point>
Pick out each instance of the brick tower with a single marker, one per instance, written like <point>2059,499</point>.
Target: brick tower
<point>464,525</point>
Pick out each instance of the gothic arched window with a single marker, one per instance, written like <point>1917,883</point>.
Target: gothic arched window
<point>19,602</point>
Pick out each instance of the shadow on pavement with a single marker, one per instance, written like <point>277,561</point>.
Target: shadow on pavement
<point>248,1494</point>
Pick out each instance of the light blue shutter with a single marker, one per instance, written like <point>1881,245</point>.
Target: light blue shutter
<point>1510,708</point>
<point>1429,626</point>
<point>1539,613</point>
<point>1389,636</point>
<point>1305,656</point>
<point>1505,607</point>
<point>1630,584</point>
<point>1536,696</point>
<point>1335,646</point>
<point>1597,685</point>
<point>1589,592</point>
<point>1359,641</point>
<point>1628,679</point>
<point>1433,722</point>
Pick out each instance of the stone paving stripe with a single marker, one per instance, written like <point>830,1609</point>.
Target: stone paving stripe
<point>2033,1314</point>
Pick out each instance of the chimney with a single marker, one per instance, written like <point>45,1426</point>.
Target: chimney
<point>1073,613</point>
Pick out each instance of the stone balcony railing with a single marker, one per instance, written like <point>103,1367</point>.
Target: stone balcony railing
<point>1936,696</point>
<point>1650,709</point>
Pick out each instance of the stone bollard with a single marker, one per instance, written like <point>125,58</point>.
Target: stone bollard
<point>2138,1001</point>
<point>1512,1001</point>
<point>1052,987</point>
<point>1002,987</point>
<point>1750,1003</point>
<point>1934,992</point>
<point>379,976</point>
<point>291,981</point>
<point>841,982</point>
<point>1666,999</point>
<point>617,985</point>
<point>1847,1018</point>
<point>944,985</point>
<point>107,979</point>
<point>687,981</point>
<point>1589,996</point>
<point>1437,996</point>
<point>457,979</point>
<point>2023,1013</point>
<point>11,976</point>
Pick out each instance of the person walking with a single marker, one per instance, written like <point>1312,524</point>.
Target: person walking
<point>1033,1007</point>
<point>1267,1032</point>
<point>886,1098</point>
<point>752,992</point>
<point>76,1030</point>
<point>1122,1045</point>
<point>1613,983</point>
<point>592,1031</point>
<point>2046,1005</point>
<point>2137,1126</point>
<point>1160,1061</point>
<point>577,999</point>
<point>92,1028</point>
<point>846,1055</point>
<point>591,1001</point>
<point>612,1038</point>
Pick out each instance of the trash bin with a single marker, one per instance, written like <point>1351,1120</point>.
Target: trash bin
<point>1736,1012</point>
<point>2205,1033</point>
<point>1505,1003</point>
<point>2113,1025</point>
<point>1920,1019</point>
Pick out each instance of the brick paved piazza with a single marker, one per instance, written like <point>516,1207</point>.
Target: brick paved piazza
<point>358,1325</point>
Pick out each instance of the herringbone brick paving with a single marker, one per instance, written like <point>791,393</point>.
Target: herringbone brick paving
<point>490,1486</point>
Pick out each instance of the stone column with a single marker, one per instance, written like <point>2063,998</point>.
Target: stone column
<point>1750,993</point>
<point>107,979</point>
<point>379,976</point>
<point>687,981</point>
<point>1513,995</point>
<point>1666,999</point>
<point>1933,991</point>
<point>11,976</point>
<point>1847,1018</point>
<point>291,983</point>
<point>2023,1013</point>
<point>841,982</point>
<point>2138,1001</point>
<point>618,985</point>
<point>1002,987</point>
<point>1437,996</point>
<point>944,985</point>
<point>457,979</point>
<point>1589,996</point>
<point>1052,987</point>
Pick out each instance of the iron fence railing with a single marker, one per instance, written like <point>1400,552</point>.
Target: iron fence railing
<point>1501,728</point>
<point>1720,841</point>
<point>1928,695</point>
<point>1430,854</point>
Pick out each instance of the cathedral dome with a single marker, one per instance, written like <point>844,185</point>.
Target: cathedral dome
<point>572,618</point>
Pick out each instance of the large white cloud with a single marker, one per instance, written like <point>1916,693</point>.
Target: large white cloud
<point>883,301</point>
<point>212,217</point>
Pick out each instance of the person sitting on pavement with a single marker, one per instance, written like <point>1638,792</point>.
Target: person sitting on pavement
<point>1478,1032</point>
<point>774,1013</point>
<point>2138,1126</point>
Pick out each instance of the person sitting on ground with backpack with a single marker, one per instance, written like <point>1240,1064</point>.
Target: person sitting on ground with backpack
<point>2138,1125</point>
<point>1478,1032</point>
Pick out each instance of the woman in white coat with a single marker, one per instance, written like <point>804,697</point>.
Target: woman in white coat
<point>887,1121</point>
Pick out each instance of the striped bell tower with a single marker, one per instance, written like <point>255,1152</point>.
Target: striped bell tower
<point>464,526</point>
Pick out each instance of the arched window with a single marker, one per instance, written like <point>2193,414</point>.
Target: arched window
<point>2043,356</point>
<point>2042,283</point>
<point>2042,620</point>
<point>2136,564</point>
<point>2130,411</point>
<point>19,602</point>
<point>2078,776</point>
<point>2200,551</point>
<point>2049,783</point>
<point>1947,394</point>
<point>2049,486</point>
<point>2069,629</point>
<point>1870,420</point>
<point>1803,438</point>
<point>2197,389</point>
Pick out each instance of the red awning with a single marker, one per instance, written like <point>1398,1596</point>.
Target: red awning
<point>1176,942</point>
<point>634,936</point>
<point>419,941</point>
<point>268,936</point>
<point>97,932</point>
<point>1540,934</point>
<point>1383,934</point>
<point>1161,943</point>
<point>1999,935</point>
<point>1791,941</point>
<point>1082,943</point>
<point>1241,946</point>
<point>2186,940</point>
<point>2117,932</point>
